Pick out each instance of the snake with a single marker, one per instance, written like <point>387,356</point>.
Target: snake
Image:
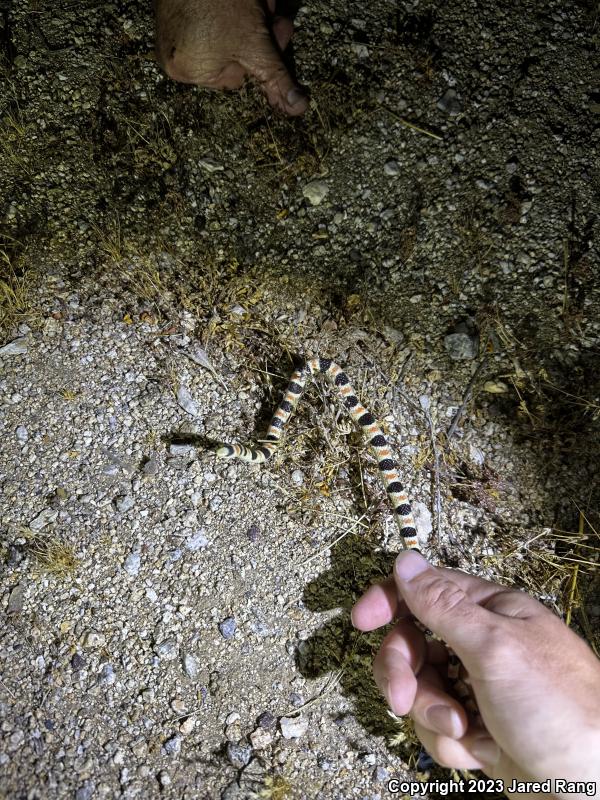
<point>379,446</point>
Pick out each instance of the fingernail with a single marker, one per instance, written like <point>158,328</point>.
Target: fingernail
<point>486,750</point>
<point>295,96</point>
<point>444,720</point>
<point>409,565</point>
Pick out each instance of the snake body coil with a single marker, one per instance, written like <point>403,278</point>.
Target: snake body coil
<point>365,421</point>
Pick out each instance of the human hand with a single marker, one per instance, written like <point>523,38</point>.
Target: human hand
<point>537,684</point>
<point>216,43</point>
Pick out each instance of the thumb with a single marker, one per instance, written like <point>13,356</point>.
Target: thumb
<point>439,602</point>
<point>262,60</point>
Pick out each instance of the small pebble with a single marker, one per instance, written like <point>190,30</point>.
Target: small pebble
<point>293,727</point>
<point>132,564</point>
<point>190,665</point>
<point>94,639</point>
<point>450,103</point>
<point>261,739</point>
<point>186,402</point>
<point>495,387</point>
<point>210,165</point>
<point>227,627</point>
<point>124,503</point>
<point>297,477</point>
<point>315,192</point>
<point>15,348</point>
<point>22,434</point>
<point>173,745</point>
<point>167,650</point>
<point>391,168</point>
<point>238,755</point>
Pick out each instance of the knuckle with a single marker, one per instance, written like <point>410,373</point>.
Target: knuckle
<point>443,595</point>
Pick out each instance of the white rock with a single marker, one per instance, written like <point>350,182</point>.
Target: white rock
<point>132,564</point>
<point>422,517</point>
<point>185,401</point>
<point>15,348</point>
<point>293,727</point>
<point>315,192</point>
<point>210,165</point>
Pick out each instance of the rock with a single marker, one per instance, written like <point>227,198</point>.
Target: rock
<point>187,726</point>
<point>124,503</point>
<point>94,639</point>
<point>422,517</point>
<point>391,168</point>
<point>496,387</point>
<point>190,665</point>
<point>210,165</point>
<point>315,192</point>
<point>238,755</point>
<point>164,778</point>
<point>227,628</point>
<point>186,402</point>
<point>180,449</point>
<point>261,739</point>
<point>22,434</point>
<point>16,599</point>
<point>132,564</point>
<point>253,533</point>
<point>450,103</point>
<point>107,675</point>
<point>267,720</point>
<point>173,745</point>
<point>15,348</point>
<point>77,662</point>
<point>462,342</point>
<point>297,477</point>
<point>167,650</point>
<point>43,519</point>
<point>293,727</point>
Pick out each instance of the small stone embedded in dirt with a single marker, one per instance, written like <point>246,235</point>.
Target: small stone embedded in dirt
<point>44,518</point>
<point>238,755</point>
<point>167,650</point>
<point>423,521</point>
<point>107,675</point>
<point>297,477</point>
<point>463,342</point>
<point>124,503</point>
<point>227,628</point>
<point>496,387</point>
<point>210,165</point>
<point>15,348</point>
<point>132,563</point>
<point>16,599</point>
<point>173,745</point>
<point>267,720</point>
<point>253,533</point>
<point>293,727</point>
<point>186,401</point>
<point>315,192</point>
<point>190,665</point>
<point>261,739</point>
<point>450,103</point>
<point>391,168</point>
<point>22,434</point>
<point>77,661</point>
<point>94,639</point>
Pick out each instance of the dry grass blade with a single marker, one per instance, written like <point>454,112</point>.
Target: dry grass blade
<point>51,555</point>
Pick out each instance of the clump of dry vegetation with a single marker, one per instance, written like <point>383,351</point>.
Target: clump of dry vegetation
<point>51,555</point>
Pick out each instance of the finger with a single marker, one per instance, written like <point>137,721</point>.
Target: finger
<point>435,709</point>
<point>400,657</point>
<point>283,30</point>
<point>437,598</point>
<point>475,750</point>
<point>261,59</point>
<point>378,606</point>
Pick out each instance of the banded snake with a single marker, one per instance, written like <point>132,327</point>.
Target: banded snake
<point>366,422</point>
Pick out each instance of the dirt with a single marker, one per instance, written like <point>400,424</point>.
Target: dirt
<point>163,267</point>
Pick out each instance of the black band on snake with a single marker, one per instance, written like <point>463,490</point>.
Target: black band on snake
<point>386,463</point>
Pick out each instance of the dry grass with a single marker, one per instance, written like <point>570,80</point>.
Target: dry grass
<point>51,556</point>
<point>15,292</point>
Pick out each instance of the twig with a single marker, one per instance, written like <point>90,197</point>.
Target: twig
<point>466,397</point>
<point>437,493</point>
<point>411,125</point>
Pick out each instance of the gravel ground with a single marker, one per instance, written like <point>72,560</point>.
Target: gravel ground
<point>176,626</point>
